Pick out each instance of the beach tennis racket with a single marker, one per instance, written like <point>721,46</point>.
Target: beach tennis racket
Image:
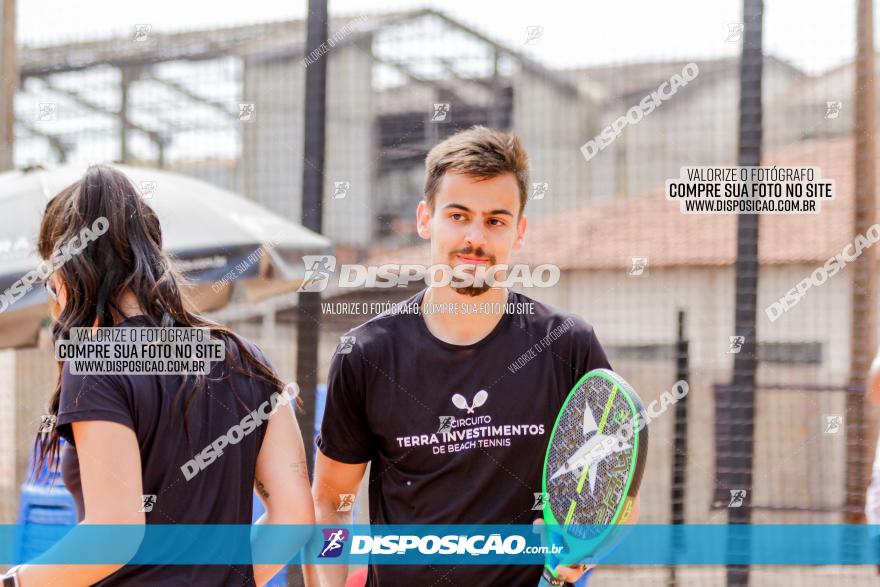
<point>593,467</point>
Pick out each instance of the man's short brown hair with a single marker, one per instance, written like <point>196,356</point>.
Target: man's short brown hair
<point>478,152</point>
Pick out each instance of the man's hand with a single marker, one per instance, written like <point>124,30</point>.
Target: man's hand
<point>571,573</point>
<point>633,516</point>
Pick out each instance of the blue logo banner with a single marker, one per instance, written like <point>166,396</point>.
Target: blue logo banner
<point>640,544</point>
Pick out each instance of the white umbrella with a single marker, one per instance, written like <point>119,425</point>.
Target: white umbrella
<point>216,236</point>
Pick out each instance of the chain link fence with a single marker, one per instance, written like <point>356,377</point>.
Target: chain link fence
<point>226,105</point>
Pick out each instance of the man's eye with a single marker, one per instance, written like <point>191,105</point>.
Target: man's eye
<point>496,221</point>
<point>457,216</point>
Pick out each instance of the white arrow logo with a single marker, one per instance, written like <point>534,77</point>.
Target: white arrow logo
<point>592,452</point>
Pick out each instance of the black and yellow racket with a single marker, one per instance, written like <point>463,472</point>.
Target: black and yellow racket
<point>593,467</point>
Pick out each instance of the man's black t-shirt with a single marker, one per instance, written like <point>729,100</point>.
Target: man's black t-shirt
<point>221,493</point>
<point>389,391</point>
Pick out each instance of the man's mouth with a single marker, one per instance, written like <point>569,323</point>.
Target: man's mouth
<point>473,260</point>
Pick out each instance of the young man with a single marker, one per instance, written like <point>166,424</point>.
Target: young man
<point>389,399</point>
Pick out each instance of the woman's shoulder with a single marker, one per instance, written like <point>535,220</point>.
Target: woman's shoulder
<point>248,344</point>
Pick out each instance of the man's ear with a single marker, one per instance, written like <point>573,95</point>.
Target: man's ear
<point>423,220</point>
<point>520,232</point>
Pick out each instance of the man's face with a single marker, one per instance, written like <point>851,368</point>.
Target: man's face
<point>474,222</point>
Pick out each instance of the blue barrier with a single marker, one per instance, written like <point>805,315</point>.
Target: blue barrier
<point>44,502</point>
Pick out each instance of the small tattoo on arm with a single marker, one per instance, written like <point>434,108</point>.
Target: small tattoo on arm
<point>261,489</point>
<point>301,469</point>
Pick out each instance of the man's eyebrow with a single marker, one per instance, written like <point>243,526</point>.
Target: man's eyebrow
<point>490,213</point>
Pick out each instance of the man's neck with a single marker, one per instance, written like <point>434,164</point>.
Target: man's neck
<point>461,328</point>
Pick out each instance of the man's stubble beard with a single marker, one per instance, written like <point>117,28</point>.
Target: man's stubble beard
<point>470,291</point>
<point>473,291</point>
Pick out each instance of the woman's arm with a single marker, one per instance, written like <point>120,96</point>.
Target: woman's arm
<point>282,482</point>
<point>110,471</point>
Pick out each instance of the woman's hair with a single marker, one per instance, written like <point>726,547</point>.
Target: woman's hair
<point>128,256</point>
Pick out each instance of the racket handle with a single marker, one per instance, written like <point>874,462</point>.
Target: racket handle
<point>552,560</point>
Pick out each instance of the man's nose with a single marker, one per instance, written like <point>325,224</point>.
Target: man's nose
<point>475,236</point>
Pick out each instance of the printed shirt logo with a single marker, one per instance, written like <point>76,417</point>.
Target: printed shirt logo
<point>334,541</point>
<point>596,449</point>
<point>468,431</point>
<point>461,403</point>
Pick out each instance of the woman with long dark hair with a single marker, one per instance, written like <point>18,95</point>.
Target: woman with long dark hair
<point>136,443</point>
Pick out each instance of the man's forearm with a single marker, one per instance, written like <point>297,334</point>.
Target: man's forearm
<point>327,575</point>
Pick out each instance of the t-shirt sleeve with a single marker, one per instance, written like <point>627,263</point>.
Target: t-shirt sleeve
<point>263,357</point>
<point>92,397</point>
<point>345,434</point>
<point>587,352</point>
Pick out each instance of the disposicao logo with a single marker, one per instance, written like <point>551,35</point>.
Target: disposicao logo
<point>334,542</point>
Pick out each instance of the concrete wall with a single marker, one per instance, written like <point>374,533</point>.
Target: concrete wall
<point>272,152</point>
<point>27,380</point>
<point>800,114</point>
<point>8,440</point>
<point>696,126</point>
<point>553,125</point>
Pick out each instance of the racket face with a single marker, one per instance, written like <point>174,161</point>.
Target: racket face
<point>595,456</point>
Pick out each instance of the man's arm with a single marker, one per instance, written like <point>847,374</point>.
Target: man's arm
<point>332,479</point>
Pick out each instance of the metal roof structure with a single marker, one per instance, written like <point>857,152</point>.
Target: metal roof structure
<point>139,94</point>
